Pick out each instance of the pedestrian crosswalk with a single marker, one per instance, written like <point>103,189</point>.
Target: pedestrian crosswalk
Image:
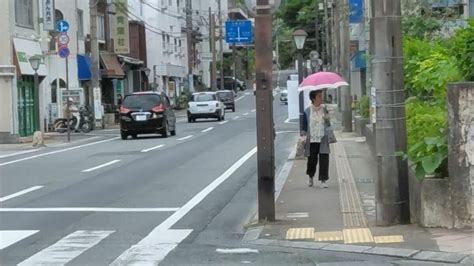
<point>151,250</point>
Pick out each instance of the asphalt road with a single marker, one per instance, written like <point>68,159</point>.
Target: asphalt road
<point>181,200</point>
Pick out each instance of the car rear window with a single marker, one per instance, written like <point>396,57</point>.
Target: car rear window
<point>225,95</point>
<point>203,97</point>
<point>143,101</point>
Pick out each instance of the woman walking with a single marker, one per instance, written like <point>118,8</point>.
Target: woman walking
<point>316,142</point>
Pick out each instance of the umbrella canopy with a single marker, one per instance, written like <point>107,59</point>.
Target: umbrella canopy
<point>322,80</point>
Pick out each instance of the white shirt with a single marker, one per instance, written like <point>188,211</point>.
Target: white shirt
<point>316,124</point>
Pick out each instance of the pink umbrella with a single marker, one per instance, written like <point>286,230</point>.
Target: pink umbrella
<point>322,80</point>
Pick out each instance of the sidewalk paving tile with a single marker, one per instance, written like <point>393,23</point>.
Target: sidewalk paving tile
<point>328,236</point>
<point>396,252</point>
<point>300,233</point>
<point>439,256</point>
<point>357,235</point>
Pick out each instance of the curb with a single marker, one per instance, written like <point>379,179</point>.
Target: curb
<point>413,254</point>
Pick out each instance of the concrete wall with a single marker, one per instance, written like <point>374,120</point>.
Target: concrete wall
<point>461,151</point>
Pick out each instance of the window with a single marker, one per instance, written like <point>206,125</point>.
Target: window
<point>170,2</point>
<point>175,44</point>
<point>164,41</point>
<point>24,13</point>
<point>80,24</point>
<point>101,27</point>
<point>177,4</point>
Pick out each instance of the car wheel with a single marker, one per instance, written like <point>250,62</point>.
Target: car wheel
<point>123,135</point>
<point>165,131</point>
<point>173,132</point>
<point>233,109</point>
<point>190,120</point>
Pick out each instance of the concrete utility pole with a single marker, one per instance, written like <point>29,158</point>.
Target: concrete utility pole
<point>221,45</point>
<point>345,69</point>
<point>337,36</point>
<point>392,191</point>
<point>212,46</point>
<point>189,41</point>
<point>264,102</point>
<point>327,25</point>
<point>94,57</point>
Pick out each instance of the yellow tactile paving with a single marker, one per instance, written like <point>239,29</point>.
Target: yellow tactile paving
<point>300,233</point>
<point>388,239</point>
<point>358,235</point>
<point>328,236</point>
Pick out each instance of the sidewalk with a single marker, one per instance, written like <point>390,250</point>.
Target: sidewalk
<point>342,217</point>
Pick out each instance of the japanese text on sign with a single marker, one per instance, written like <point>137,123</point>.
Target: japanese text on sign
<point>120,27</point>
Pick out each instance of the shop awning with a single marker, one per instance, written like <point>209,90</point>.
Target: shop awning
<point>111,66</point>
<point>25,49</point>
<point>130,60</point>
<point>83,67</point>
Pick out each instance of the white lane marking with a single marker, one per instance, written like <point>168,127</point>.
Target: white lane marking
<point>10,237</point>
<point>237,117</point>
<point>67,248</point>
<point>58,151</point>
<point>297,215</point>
<point>246,114</point>
<point>236,250</point>
<point>207,130</point>
<point>154,247</point>
<point>19,193</point>
<point>182,120</point>
<point>100,166</point>
<point>18,153</point>
<point>88,209</point>
<point>224,122</point>
<point>253,111</point>
<point>153,148</point>
<point>240,98</point>
<point>185,138</point>
<point>154,251</point>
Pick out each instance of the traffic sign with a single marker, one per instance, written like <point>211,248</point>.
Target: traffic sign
<point>63,39</point>
<point>62,26</point>
<point>238,31</point>
<point>63,51</point>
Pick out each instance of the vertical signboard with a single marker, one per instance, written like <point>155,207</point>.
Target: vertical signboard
<point>48,15</point>
<point>120,27</point>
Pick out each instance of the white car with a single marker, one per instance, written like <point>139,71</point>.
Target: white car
<point>205,105</point>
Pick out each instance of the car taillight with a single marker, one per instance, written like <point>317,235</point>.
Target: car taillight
<point>124,110</point>
<point>157,108</point>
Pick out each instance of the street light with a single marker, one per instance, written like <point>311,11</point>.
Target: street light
<point>299,36</point>
<point>35,62</point>
<point>264,99</point>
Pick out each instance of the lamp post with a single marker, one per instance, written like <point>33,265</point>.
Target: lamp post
<point>299,36</point>
<point>35,62</point>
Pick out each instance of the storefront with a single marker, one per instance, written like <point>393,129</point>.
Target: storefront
<point>111,84</point>
<point>24,49</point>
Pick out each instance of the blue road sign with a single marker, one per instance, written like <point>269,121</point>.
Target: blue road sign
<point>63,51</point>
<point>356,11</point>
<point>62,26</point>
<point>238,31</point>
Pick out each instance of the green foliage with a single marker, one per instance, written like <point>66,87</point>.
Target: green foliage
<point>427,137</point>
<point>461,46</point>
<point>364,106</point>
<point>420,27</point>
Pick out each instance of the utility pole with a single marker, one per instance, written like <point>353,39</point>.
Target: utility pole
<point>264,102</point>
<point>337,36</point>
<point>94,57</point>
<point>345,69</point>
<point>212,46</point>
<point>221,45</point>
<point>392,191</point>
<point>316,30</point>
<point>327,26</point>
<point>189,41</point>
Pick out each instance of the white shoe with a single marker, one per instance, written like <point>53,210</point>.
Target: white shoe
<point>310,182</point>
<point>323,184</point>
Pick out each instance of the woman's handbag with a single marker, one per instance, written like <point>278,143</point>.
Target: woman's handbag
<point>329,132</point>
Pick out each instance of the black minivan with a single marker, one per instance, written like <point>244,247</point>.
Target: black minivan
<point>227,97</point>
<point>146,113</point>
